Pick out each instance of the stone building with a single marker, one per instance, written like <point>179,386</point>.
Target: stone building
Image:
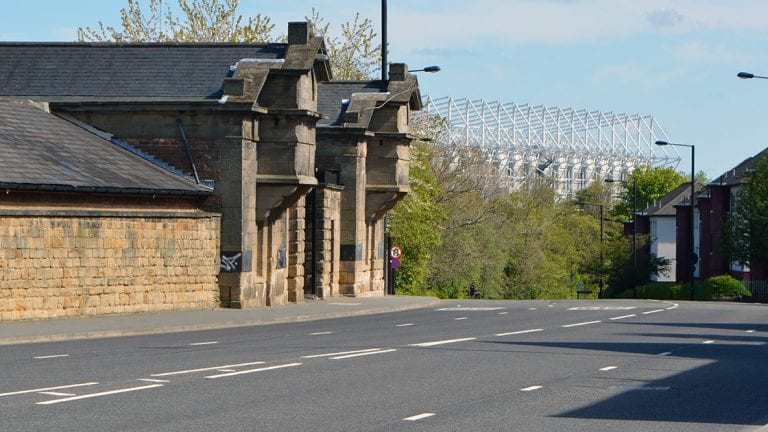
<point>365,143</point>
<point>87,227</point>
<point>242,120</point>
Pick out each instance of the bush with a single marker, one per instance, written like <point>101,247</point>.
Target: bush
<point>727,286</point>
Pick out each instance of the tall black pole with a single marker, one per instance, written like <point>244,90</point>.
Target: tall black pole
<point>634,239</point>
<point>602,262</point>
<point>693,220</point>
<point>383,40</point>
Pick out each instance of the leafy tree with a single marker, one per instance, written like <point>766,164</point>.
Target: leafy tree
<point>201,21</point>
<point>747,225</point>
<point>651,183</point>
<point>355,55</point>
<point>414,222</point>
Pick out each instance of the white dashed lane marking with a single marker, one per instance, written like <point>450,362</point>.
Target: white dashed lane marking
<point>531,388</point>
<point>50,356</point>
<point>363,354</point>
<point>404,325</point>
<point>206,369</point>
<point>653,311</point>
<point>623,317</point>
<point>581,324</point>
<point>419,417</point>
<point>607,368</point>
<point>334,354</point>
<point>321,333</point>
<point>268,368</point>
<point>93,395</point>
<point>204,343</point>
<point>442,342</point>
<point>519,332</point>
<point>48,389</point>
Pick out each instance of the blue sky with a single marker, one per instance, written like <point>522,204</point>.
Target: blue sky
<point>675,59</point>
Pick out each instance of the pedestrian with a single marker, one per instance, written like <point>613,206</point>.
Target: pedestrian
<point>473,291</point>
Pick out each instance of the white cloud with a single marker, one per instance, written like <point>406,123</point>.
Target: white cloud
<point>467,24</point>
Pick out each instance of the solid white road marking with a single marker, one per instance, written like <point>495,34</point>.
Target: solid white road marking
<point>340,353</point>
<point>460,308</point>
<point>519,332</point>
<point>204,343</point>
<point>57,394</point>
<point>623,317</point>
<point>404,325</point>
<point>50,356</point>
<point>607,368</point>
<point>750,331</point>
<point>708,342</point>
<point>206,369</point>
<point>581,324</point>
<point>419,417</point>
<point>48,388</point>
<point>442,342</point>
<point>362,354</point>
<point>531,388</point>
<point>93,395</point>
<point>253,370</point>
<point>154,380</point>
<point>664,353</point>
<point>345,304</point>
<point>226,370</point>
<point>321,333</point>
<point>653,311</point>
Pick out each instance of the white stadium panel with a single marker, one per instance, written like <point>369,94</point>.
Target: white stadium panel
<point>568,148</point>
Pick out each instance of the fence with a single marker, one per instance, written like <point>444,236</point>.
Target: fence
<point>759,290</point>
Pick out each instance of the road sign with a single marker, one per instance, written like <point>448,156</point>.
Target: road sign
<point>395,252</point>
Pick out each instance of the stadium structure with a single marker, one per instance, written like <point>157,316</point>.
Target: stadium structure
<point>564,147</point>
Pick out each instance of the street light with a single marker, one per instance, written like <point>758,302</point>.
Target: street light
<point>694,258</point>
<point>747,75</point>
<point>602,262</point>
<point>428,69</point>
<point>634,234</point>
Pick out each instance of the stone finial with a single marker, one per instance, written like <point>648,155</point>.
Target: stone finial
<point>299,33</point>
<point>398,71</point>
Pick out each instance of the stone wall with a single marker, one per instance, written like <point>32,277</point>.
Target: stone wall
<point>56,263</point>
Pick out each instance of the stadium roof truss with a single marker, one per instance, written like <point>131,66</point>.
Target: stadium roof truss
<point>568,148</point>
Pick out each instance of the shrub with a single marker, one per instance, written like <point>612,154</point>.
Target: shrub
<point>727,286</point>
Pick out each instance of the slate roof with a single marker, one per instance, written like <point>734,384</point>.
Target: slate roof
<point>183,71</point>
<point>44,152</point>
<point>331,94</point>
<point>737,174</point>
<point>678,196</point>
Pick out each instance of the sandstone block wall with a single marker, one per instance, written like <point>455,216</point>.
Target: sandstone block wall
<point>56,264</point>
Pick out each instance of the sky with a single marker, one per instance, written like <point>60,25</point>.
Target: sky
<point>674,59</point>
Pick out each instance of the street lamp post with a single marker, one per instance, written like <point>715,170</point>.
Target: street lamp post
<point>602,261</point>
<point>694,258</point>
<point>747,75</point>
<point>634,235</point>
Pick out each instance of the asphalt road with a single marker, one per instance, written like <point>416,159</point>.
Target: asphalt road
<point>471,365</point>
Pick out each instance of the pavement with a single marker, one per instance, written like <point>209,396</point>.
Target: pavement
<point>92,327</point>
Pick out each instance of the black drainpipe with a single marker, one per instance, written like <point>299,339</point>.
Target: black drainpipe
<point>189,151</point>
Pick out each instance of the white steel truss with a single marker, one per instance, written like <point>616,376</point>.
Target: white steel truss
<point>567,148</point>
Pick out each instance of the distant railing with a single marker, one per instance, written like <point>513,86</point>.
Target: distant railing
<point>759,290</point>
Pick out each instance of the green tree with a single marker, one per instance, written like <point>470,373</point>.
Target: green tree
<point>415,222</point>
<point>747,224</point>
<point>651,183</point>
<point>200,21</point>
<point>355,55</point>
